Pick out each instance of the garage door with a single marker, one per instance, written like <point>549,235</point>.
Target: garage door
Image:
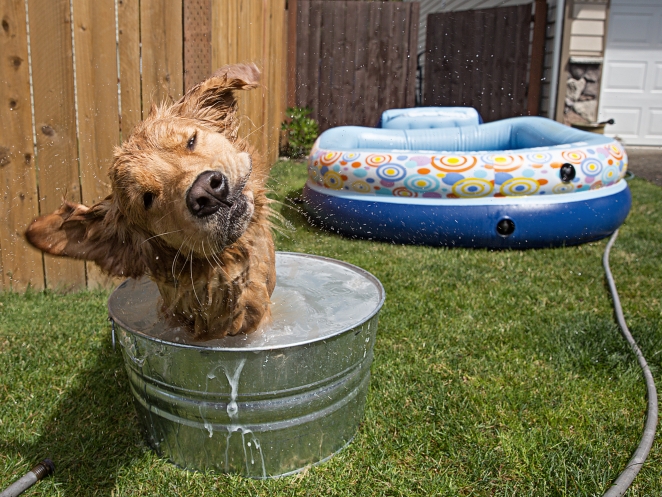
<point>632,80</point>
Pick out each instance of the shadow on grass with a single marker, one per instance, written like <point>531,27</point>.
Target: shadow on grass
<point>92,434</point>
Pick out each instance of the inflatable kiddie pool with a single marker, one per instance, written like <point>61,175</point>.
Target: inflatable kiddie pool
<point>524,182</point>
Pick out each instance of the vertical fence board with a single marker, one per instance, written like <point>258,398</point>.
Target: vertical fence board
<point>326,63</point>
<point>348,70</point>
<point>219,46</point>
<point>256,54</point>
<point>399,47</point>
<point>197,41</point>
<point>128,16</point>
<point>55,119</point>
<point>337,45</point>
<point>400,62</point>
<point>273,31</point>
<point>242,55</point>
<point>537,58</point>
<point>98,111</point>
<point>512,88</point>
<point>456,33</point>
<point>303,58</point>
<point>412,54</point>
<point>162,49</point>
<point>435,61</point>
<point>352,25</point>
<point>523,30</point>
<point>492,69</point>
<point>314,64</point>
<point>266,32</point>
<point>277,80</point>
<point>291,48</point>
<point>508,106</point>
<point>20,265</point>
<point>96,78</point>
<point>487,63</point>
<point>280,59</point>
<point>223,34</point>
<point>244,21</point>
<point>371,96</point>
<point>233,30</point>
<point>478,51</point>
<point>385,30</point>
<point>361,63</point>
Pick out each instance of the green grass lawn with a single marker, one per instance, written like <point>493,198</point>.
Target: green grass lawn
<point>495,373</point>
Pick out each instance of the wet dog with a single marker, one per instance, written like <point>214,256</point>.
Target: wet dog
<point>187,208</point>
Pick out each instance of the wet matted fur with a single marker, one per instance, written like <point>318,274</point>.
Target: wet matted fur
<point>188,208</point>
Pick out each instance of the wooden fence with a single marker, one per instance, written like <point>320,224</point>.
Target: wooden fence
<point>481,59</point>
<point>354,59</point>
<point>74,82</point>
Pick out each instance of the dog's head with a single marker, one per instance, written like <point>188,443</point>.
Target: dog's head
<point>183,175</point>
<point>182,181</point>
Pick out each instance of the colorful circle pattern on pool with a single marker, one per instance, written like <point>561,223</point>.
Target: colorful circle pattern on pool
<point>469,175</point>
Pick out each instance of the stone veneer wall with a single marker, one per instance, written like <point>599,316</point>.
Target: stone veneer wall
<point>582,91</point>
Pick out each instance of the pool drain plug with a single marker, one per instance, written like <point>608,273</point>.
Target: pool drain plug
<point>39,472</point>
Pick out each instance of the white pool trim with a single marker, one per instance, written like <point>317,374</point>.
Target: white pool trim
<point>560,198</point>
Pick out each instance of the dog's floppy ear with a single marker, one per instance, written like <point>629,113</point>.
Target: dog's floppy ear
<point>96,233</point>
<point>214,101</point>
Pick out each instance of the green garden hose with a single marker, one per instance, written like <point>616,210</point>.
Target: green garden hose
<point>625,479</point>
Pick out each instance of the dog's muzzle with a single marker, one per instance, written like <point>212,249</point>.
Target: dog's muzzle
<point>208,193</point>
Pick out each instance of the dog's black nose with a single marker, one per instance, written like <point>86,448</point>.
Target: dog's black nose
<point>208,193</point>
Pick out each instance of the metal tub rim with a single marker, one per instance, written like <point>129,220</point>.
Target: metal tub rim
<point>202,347</point>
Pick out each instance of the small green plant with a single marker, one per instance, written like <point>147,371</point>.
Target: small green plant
<point>300,132</point>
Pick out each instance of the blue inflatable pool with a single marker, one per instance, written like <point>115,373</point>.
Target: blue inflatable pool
<point>524,182</point>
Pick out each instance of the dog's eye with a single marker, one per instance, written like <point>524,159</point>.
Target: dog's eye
<point>148,199</point>
<point>190,144</point>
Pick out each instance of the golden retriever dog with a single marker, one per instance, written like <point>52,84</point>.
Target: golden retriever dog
<point>187,208</point>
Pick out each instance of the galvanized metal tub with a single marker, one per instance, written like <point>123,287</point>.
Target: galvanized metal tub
<point>261,405</point>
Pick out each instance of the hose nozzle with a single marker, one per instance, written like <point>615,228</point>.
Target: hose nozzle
<point>39,472</point>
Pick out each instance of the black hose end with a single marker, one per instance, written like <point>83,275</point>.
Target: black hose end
<point>43,469</point>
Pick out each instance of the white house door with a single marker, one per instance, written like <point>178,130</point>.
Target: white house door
<point>631,90</point>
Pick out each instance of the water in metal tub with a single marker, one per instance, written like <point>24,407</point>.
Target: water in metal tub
<point>265,404</point>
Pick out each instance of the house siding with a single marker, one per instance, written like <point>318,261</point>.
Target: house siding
<point>587,28</point>
<point>582,61</point>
